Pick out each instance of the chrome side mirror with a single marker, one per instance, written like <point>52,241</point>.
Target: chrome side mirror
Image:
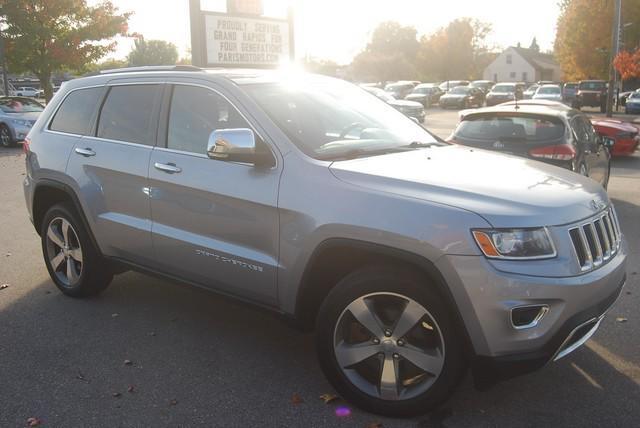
<point>237,145</point>
<point>608,142</point>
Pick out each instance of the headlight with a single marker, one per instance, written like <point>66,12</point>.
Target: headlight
<point>21,122</point>
<point>515,244</point>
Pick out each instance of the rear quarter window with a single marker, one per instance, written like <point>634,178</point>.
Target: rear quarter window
<point>77,112</point>
<point>511,128</point>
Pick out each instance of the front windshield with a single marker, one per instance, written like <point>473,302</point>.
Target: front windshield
<point>635,95</point>
<point>549,91</point>
<point>460,90</point>
<point>533,88</point>
<point>421,91</point>
<point>331,119</point>
<point>19,105</point>
<point>504,89</point>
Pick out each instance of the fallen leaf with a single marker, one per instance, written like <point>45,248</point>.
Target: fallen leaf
<point>153,333</point>
<point>374,425</point>
<point>3,286</point>
<point>81,377</point>
<point>33,422</point>
<point>328,398</point>
<point>131,389</point>
<point>621,319</point>
<point>116,395</point>
<point>413,380</point>
<point>173,402</point>
<point>8,255</point>
<point>628,293</point>
<point>296,399</point>
<point>115,315</point>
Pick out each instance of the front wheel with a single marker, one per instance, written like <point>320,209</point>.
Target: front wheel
<point>386,342</point>
<point>73,262</point>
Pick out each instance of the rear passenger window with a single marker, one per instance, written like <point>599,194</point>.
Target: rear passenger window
<point>128,114</point>
<point>195,113</point>
<point>75,115</point>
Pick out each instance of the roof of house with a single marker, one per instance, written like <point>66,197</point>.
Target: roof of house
<point>538,60</point>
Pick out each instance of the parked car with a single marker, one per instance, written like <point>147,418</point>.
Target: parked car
<point>549,92</point>
<point>410,108</point>
<point>25,91</point>
<point>632,105</point>
<point>569,92</point>
<point>530,92</point>
<point>591,93</point>
<point>551,133</point>
<point>17,116</point>
<point>412,259</point>
<point>450,84</point>
<point>503,92</point>
<point>462,97</point>
<point>399,90</point>
<point>625,135</point>
<point>426,94</point>
<point>484,85</point>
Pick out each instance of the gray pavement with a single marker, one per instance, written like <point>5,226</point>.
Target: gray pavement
<point>199,359</point>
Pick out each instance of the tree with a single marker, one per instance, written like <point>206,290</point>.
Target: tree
<point>45,36</point>
<point>152,52</point>
<point>628,64</point>
<point>534,45</point>
<point>584,32</point>
<point>457,51</point>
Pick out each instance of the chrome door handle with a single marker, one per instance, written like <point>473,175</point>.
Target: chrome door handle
<point>85,152</point>
<point>167,167</point>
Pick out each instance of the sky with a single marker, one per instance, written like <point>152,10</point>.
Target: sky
<point>339,29</point>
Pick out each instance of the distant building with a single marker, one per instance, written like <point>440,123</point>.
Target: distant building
<point>518,64</point>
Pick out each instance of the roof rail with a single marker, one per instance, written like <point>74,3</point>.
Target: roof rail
<point>191,68</point>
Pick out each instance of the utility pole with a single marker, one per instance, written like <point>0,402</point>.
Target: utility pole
<point>5,81</point>
<point>197,34</point>
<point>615,49</point>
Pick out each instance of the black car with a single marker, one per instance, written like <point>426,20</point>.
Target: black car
<point>484,85</point>
<point>503,92</point>
<point>462,97</point>
<point>546,131</point>
<point>591,93</point>
<point>400,89</point>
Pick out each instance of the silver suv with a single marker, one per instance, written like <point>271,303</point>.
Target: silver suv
<point>412,259</point>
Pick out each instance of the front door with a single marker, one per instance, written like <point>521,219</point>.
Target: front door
<point>215,223</point>
<point>595,156</point>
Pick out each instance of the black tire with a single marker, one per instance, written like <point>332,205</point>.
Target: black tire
<point>405,282</point>
<point>95,274</point>
<point>5,137</point>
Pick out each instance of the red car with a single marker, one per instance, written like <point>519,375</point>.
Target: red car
<point>625,134</point>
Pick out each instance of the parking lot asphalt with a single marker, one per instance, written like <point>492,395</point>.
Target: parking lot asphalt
<point>194,358</point>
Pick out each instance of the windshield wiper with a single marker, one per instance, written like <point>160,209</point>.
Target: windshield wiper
<point>419,145</point>
<point>356,153</point>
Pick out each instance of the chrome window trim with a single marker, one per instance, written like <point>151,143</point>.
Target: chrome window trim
<point>124,143</point>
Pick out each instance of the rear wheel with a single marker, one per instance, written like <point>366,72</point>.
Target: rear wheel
<point>74,264</point>
<point>387,343</point>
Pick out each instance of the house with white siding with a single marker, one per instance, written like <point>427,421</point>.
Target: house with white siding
<point>517,64</point>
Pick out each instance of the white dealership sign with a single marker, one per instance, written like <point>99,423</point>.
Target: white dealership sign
<point>246,41</point>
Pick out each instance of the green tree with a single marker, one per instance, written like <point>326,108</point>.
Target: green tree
<point>583,38</point>
<point>152,52</point>
<point>46,36</point>
<point>534,45</point>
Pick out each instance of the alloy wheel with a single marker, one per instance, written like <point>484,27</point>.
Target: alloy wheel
<point>389,346</point>
<point>64,251</point>
<point>5,137</point>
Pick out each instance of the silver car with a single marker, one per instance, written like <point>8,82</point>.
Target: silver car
<point>412,259</point>
<point>549,93</point>
<point>17,116</point>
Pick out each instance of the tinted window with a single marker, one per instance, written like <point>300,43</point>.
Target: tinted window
<point>77,111</point>
<point>128,113</point>
<point>195,113</point>
<point>511,128</point>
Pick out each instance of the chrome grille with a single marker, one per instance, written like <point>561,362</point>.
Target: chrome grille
<point>597,240</point>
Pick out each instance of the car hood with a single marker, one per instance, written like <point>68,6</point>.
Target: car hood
<point>404,103</point>
<point>507,191</point>
<point>614,125</point>
<point>453,96</point>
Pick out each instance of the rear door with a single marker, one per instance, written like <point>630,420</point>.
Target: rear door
<point>214,223</point>
<point>110,166</point>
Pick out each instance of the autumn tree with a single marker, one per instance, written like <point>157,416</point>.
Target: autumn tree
<point>45,36</point>
<point>628,64</point>
<point>152,52</point>
<point>584,33</point>
<point>391,54</point>
<point>457,51</point>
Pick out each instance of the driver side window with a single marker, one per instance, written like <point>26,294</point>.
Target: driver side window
<point>194,114</point>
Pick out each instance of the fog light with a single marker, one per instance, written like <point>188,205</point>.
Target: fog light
<point>528,316</point>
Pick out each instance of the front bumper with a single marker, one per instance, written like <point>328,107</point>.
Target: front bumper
<point>485,297</point>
